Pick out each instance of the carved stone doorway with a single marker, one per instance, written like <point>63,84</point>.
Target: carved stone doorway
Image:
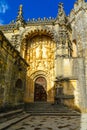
<point>40,89</point>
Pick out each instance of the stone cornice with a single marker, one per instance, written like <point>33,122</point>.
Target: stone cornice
<point>8,27</point>
<point>40,20</point>
<point>32,22</point>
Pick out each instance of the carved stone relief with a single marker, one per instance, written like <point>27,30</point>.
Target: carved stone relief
<point>40,53</point>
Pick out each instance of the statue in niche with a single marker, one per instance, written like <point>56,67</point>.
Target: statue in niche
<point>49,65</point>
<point>40,51</point>
<point>31,55</point>
<point>45,64</point>
<point>34,54</point>
<point>47,52</point>
<point>36,63</point>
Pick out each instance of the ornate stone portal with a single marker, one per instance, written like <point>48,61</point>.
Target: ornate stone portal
<point>40,54</point>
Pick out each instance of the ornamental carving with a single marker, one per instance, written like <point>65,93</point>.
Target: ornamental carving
<point>40,53</point>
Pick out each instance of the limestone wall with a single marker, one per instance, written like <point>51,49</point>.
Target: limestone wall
<point>72,70</point>
<point>78,20</point>
<point>12,74</point>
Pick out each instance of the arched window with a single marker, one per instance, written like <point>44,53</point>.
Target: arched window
<point>74,53</point>
<point>19,84</point>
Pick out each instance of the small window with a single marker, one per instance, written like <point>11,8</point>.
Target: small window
<point>74,54</point>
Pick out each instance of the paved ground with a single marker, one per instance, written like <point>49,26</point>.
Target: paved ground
<point>52,123</point>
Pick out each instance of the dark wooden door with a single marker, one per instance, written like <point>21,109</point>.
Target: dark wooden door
<point>40,89</point>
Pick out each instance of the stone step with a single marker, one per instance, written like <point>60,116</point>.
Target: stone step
<point>68,110</point>
<point>48,109</point>
<point>5,125</point>
<point>55,114</point>
<point>9,115</point>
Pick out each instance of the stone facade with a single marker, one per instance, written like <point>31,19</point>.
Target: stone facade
<point>56,51</point>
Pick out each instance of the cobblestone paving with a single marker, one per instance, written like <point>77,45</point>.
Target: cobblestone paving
<point>52,123</point>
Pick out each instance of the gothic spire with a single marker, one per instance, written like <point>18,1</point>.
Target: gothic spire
<point>64,43</point>
<point>61,13</point>
<point>20,20</point>
<point>60,8</point>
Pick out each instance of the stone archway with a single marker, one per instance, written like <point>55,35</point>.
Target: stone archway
<point>40,88</point>
<point>39,52</point>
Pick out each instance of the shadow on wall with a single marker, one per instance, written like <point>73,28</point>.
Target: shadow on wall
<point>68,95</point>
<point>71,89</point>
<point>19,91</point>
<point>16,95</point>
<point>72,121</point>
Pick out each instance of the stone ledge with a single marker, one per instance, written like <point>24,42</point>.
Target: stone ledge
<point>64,97</point>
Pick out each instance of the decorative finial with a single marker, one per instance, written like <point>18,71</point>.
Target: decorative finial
<point>60,7</point>
<point>20,13</point>
<point>61,13</point>
<point>20,10</point>
<point>20,20</point>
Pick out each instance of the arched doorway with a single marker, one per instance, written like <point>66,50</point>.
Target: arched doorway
<point>38,48</point>
<point>40,89</point>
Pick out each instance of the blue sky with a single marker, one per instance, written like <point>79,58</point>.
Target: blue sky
<point>32,9</point>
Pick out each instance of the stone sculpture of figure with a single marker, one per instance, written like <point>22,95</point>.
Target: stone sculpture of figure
<point>40,52</point>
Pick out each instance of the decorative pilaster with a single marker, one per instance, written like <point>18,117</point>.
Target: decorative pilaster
<point>64,45</point>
